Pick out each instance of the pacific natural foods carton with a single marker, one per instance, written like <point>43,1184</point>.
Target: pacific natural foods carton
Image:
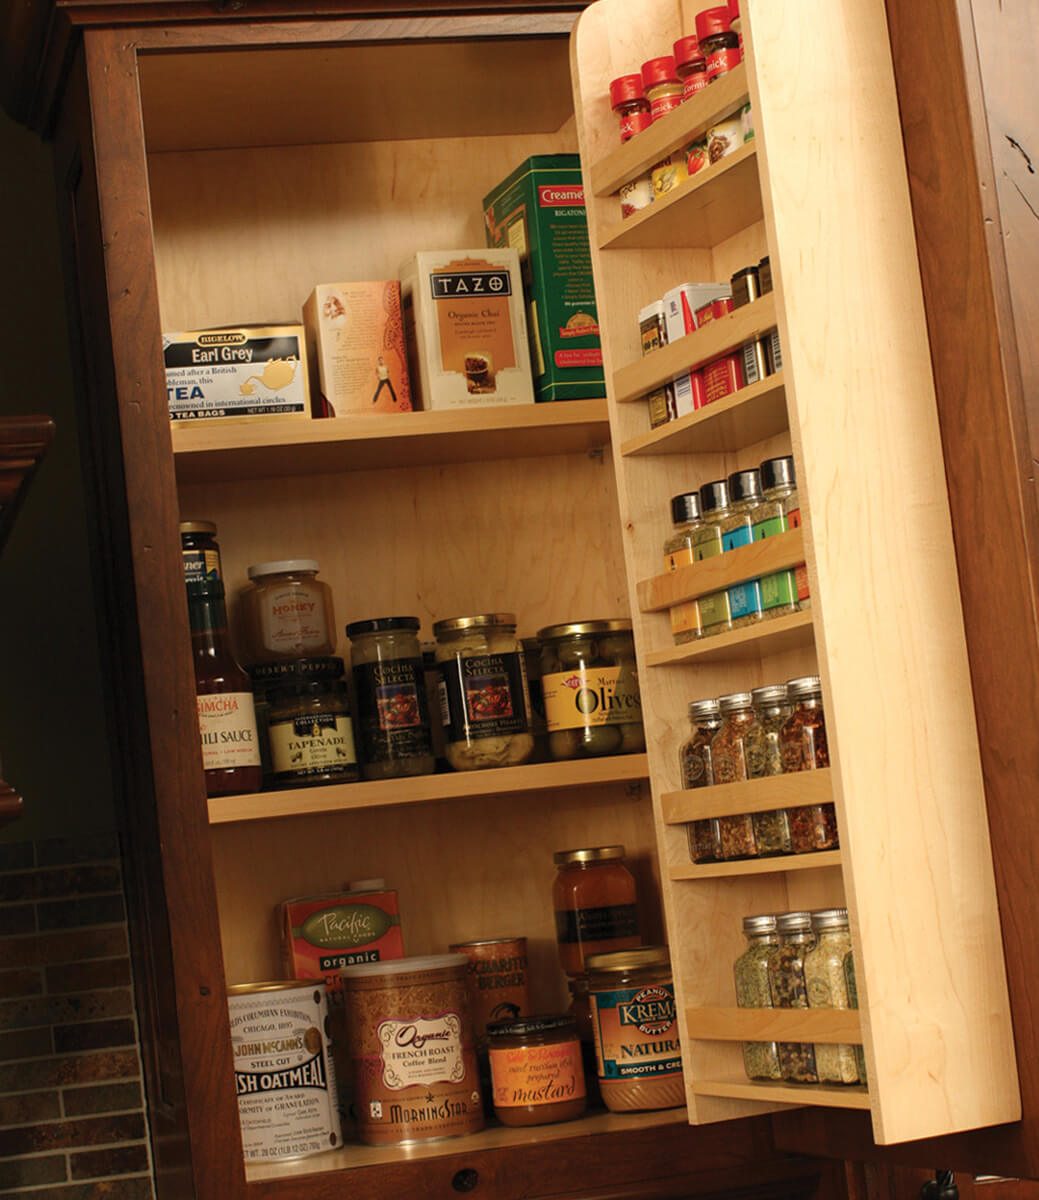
<point>465,328</point>
<point>251,372</point>
<point>355,344</point>
<point>539,210</point>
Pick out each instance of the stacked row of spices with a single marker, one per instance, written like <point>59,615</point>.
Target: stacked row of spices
<point>772,730</point>
<point>725,514</point>
<point>799,960</point>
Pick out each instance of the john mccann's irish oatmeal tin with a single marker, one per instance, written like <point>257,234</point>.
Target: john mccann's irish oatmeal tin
<point>284,1075</point>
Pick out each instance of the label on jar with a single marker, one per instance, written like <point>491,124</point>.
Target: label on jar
<point>696,82</point>
<point>714,609</point>
<point>686,617</point>
<point>635,122</point>
<point>581,925</point>
<point>532,1075</point>
<point>745,599</point>
<point>636,1033</point>
<point>392,709</point>
<point>778,590</point>
<point>665,103</point>
<point>588,696</point>
<point>201,567</point>
<point>680,558</point>
<point>483,696</point>
<point>635,195</point>
<point>312,745</point>
<point>227,723</point>
<point>421,1050</point>
<point>721,61</point>
<point>793,518</point>
<point>293,618</point>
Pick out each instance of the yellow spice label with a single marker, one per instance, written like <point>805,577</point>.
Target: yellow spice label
<point>591,696</point>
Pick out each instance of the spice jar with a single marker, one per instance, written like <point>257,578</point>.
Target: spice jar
<point>287,613</point>
<point>720,46</point>
<point>629,103</point>
<point>593,896</point>
<point>745,288</point>
<point>691,66</point>
<point>589,681</point>
<point>705,839</point>
<point>483,692</point>
<point>803,743</point>
<point>737,530</point>
<point>678,551</point>
<point>778,590</point>
<point>652,335</point>
<point>715,613</point>
<point>729,765</point>
<point>750,970</point>
<point>853,1002</point>
<point>787,984</point>
<point>309,730</point>
<point>637,1051</point>
<point>828,988</point>
<point>792,512</point>
<point>765,758</point>
<point>201,556</point>
<point>537,1074</point>
<point>661,85</point>
<point>392,704</point>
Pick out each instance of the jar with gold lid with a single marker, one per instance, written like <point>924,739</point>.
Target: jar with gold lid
<point>537,1074</point>
<point>594,899</point>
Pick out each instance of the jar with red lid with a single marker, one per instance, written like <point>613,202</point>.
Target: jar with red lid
<point>661,85</point>
<point>629,102</point>
<point>720,46</point>
<point>594,899</point>
<point>691,66</point>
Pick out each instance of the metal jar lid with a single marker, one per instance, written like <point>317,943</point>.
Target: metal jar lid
<point>553,633</point>
<point>482,621</point>
<point>765,923</point>
<point>273,985</point>
<point>284,566</point>
<point>745,485</point>
<point>525,1026</point>
<point>778,472</point>
<point>771,693</point>
<point>804,685</point>
<point>197,527</point>
<point>794,922</point>
<point>734,701</point>
<point>830,918</point>
<point>563,858</point>
<point>629,960</point>
<point>701,710</point>
<point>406,966</point>
<point>382,625</point>
<point>685,508</point>
<point>461,947</point>
<point>714,495</point>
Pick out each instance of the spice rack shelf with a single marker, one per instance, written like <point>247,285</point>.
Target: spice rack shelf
<point>828,1025</point>
<point>792,632</point>
<point>771,554</point>
<point>750,796</point>
<point>423,789</point>
<point>789,864</point>
<point>824,1095</point>
<point>236,450</point>
<point>749,321</point>
<point>750,415</point>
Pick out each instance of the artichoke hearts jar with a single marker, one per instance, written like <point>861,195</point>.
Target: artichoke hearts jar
<point>637,1051</point>
<point>411,1042</point>
<point>536,1070</point>
<point>484,701</point>
<point>590,686</point>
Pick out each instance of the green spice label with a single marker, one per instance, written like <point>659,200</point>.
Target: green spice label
<point>714,610</point>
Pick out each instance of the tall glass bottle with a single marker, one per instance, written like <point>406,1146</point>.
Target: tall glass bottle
<point>715,613</point>
<point>729,765</point>
<point>686,624</point>
<point>226,716</point>
<point>786,976</point>
<point>705,843</point>
<point>760,1059</point>
<point>764,757</point>
<point>737,530</point>
<point>828,988</point>
<point>778,590</point>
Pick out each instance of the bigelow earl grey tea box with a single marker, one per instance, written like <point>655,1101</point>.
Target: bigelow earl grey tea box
<point>539,210</point>
<point>253,371</point>
<point>321,934</point>
<point>465,328</point>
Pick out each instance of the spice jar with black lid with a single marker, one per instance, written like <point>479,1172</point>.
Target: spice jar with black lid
<point>679,551</point>
<point>738,530</point>
<point>778,589</point>
<point>537,1072</point>
<point>750,970</point>
<point>715,613</point>
<point>828,988</point>
<point>720,46</point>
<point>765,758</point>
<point>787,984</point>
<point>705,839</point>
<point>804,748</point>
<point>729,765</point>
<point>309,728</point>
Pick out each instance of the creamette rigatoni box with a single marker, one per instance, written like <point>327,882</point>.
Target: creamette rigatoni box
<point>465,328</point>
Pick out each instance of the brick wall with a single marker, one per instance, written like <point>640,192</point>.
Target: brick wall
<point>72,1124</point>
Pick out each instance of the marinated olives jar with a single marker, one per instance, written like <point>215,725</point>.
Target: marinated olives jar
<point>591,690</point>
<point>593,896</point>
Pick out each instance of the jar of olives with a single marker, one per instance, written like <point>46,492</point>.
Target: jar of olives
<point>591,692</point>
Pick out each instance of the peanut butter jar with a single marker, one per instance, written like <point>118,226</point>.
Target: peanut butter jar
<point>536,1070</point>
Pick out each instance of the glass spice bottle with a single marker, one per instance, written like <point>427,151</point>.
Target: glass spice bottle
<point>715,614</point>
<point>786,979</point>
<point>737,530</point>
<point>661,85</point>
<point>729,765</point>
<point>778,590</point>
<point>828,988</point>
<point>720,46</point>
<point>630,104</point>
<point>764,759</point>
<point>803,743</point>
<point>695,761</point>
<point>691,66</point>
<point>792,512</point>
<point>686,625</point>
<point>750,970</point>
<point>853,1002</point>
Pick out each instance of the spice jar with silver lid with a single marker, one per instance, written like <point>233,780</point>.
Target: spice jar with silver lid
<point>804,748</point>
<point>828,988</point>
<point>764,757</point>
<point>483,693</point>
<point>705,844</point>
<point>729,765</point>
<point>750,970</point>
<point>786,978</point>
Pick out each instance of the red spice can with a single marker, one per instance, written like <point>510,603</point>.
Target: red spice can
<point>722,377</point>
<point>497,980</point>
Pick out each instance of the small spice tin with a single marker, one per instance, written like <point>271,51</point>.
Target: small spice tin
<point>536,1070</point>
<point>497,978</point>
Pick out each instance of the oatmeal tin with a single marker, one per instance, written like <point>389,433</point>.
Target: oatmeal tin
<point>284,1075</point>
<point>412,1047</point>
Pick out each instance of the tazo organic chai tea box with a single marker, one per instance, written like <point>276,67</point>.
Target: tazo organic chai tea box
<point>464,324</point>
<point>355,343</point>
<point>253,371</point>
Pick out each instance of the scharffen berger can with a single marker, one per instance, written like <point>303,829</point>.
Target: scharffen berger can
<point>284,1075</point>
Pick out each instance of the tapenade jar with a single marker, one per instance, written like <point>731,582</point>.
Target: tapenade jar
<point>484,701</point>
<point>536,1071</point>
<point>392,703</point>
<point>287,613</point>
<point>594,899</point>
<point>309,729</point>
<point>804,748</point>
<point>637,1050</point>
<point>590,687</point>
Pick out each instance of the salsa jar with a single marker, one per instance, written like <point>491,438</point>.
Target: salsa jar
<point>537,1074</point>
<point>638,1054</point>
<point>310,733</point>
<point>595,904</point>
<point>287,613</point>
<point>392,702</point>
<point>590,686</point>
<point>484,701</point>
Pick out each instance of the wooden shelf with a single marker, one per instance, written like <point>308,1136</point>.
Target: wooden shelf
<point>791,632</point>
<point>825,1095</point>
<point>673,131</point>
<point>387,793</point>
<point>713,205</point>
<point>751,796</point>
<point>771,554</point>
<point>634,381</point>
<point>758,866</point>
<point>748,416</point>
<point>832,1026</point>
<point>228,450</point>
